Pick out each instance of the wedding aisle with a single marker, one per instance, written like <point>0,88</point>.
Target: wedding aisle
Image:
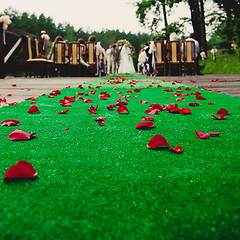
<point>121,157</point>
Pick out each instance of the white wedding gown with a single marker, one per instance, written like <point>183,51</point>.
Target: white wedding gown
<point>126,62</point>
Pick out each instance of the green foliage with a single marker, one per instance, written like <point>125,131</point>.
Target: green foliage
<point>225,63</point>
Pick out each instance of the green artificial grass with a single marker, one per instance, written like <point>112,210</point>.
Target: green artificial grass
<point>102,182</point>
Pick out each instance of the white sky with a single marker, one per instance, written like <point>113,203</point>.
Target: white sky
<point>93,15</point>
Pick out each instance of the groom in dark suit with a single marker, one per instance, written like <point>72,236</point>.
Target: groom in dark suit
<point>149,61</point>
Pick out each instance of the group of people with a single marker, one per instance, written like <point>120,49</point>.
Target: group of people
<point>118,58</point>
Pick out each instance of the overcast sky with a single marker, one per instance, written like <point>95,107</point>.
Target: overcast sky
<point>91,14</point>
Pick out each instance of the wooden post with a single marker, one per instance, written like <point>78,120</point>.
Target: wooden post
<point>2,53</point>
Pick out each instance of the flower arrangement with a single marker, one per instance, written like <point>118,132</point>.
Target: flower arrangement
<point>120,43</point>
<point>5,20</point>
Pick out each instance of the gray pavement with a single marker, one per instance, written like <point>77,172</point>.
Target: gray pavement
<point>33,87</point>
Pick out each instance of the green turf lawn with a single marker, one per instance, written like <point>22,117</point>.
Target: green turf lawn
<point>102,182</point>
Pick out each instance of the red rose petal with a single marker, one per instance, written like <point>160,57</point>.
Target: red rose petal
<point>144,125</point>
<point>185,111</point>
<point>210,103</point>
<point>194,104</point>
<point>198,97</point>
<point>33,109</point>
<point>100,123</point>
<point>100,119</point>
<point>220,117</point>
<point>63,112</point>
<point>202,135</point>
<point>147,118</point>
<point>10,122</point>
<point>67,128</point>
<point>13,104</point>
<point>143,102</point>
<point>21,169</point>
<point>222,110</point>
<point>156,106</point>
<point>158,141</point>
<point>18,135</point>
<point>212,134</point>
<point>122,109</point>
<point>180,99</point>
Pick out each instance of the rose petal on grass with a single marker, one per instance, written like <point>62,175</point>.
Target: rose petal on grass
<point>63,112</point>
<point>21,170</point>
<point>10,122</point>
<point>159,141</point>
<point>33,109</point>
<point>202,135</point>
<point>198,97</point>
<point>100,123</point>
<point>211,103</point>
<point>194,104</point>
<point>147,118</point>
<point>222,110</point>
<point>152,112</point>
<point>144,125</point>
<point>185,111</point>
<point>19,135</point>
<point>100,119</point>
<point>143,102</point>
<point>156,106</point>
<point>122,109</point>
<point>220,117</point>
<point>212,134</point>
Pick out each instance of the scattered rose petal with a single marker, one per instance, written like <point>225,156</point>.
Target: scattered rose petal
<point>63,112</point>
<point>194,104</point>
<point>18,135</point>
<point>180,99</point>
<point>222,110</point>
<point>147,118</point>
<point>220,117</point>
<point>100,123</point>
<point>144,125</point>
<point>202,135</point>
<point>100,119</point>
<point>211,103</point>
<point>158,141</point>
<point>152,112</point>
<point>21,170</point>
<point>33,109</point>
<point>88,100</point>
<point>185,111</point>
<point>212,134</point>
<point>13,104</point>
<point>122,109</point>
<point>10,122</point>
<point>198,97</point>
<point>67,128</point>
<point>143,102</point>
<point>156,106</point>
<point>14,85</point>
<point>92,109</point>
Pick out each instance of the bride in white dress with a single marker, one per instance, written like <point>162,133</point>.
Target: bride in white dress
<point>126,62</point>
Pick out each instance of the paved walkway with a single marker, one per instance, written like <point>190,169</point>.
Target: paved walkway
<point>33,87</point>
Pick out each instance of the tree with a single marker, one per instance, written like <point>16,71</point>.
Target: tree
<point>232,19</point>
<point>148,7</point>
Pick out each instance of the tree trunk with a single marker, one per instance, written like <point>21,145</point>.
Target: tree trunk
<point>2,53</point>
<point>165,16</point>
<point>196,21</point>
<point>203,28</point>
